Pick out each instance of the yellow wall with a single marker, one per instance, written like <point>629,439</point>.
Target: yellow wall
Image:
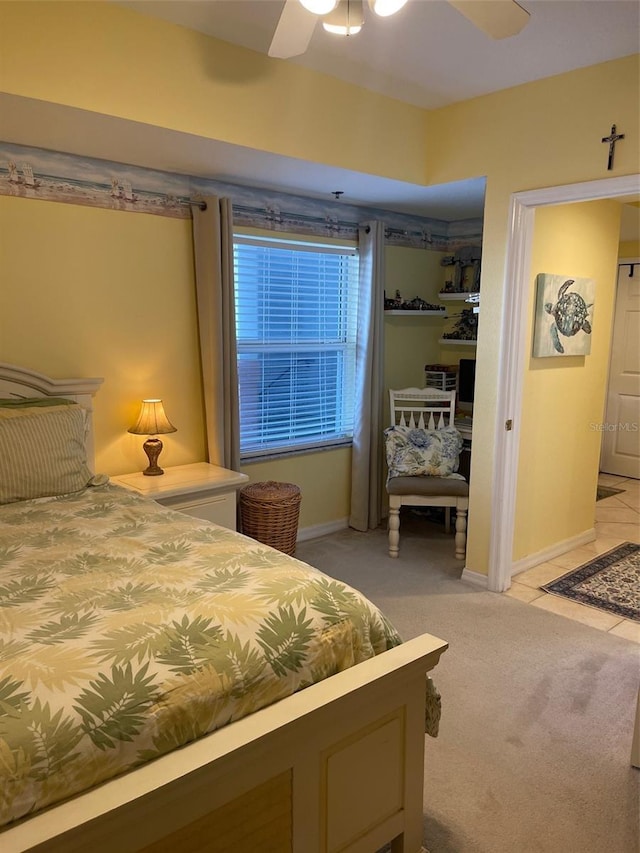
<point>324,479</point>
<point>629,249</point>
<point>564,397</point>
<point>541,134</point>
<point>110,60</point>
<point>411,341</point>
<point>91,292</point>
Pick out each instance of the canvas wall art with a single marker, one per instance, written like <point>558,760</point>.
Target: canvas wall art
<point>563,315</point>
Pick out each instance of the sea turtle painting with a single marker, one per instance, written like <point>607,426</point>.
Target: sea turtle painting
<point>570,314</point>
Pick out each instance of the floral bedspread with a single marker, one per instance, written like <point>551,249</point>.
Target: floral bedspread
<point>127,630</point>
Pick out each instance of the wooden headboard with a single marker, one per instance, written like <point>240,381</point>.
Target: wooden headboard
<point>16,382</point>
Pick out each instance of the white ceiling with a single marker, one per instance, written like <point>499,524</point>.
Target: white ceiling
<point>428,54</point>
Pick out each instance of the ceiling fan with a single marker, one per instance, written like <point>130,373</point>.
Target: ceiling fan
<point>497,18</point>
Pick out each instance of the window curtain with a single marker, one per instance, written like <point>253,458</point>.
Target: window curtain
<point>213,248</point>
<point>366,464</point>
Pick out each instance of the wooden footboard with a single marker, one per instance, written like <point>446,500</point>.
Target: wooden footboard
<point>336,767</point>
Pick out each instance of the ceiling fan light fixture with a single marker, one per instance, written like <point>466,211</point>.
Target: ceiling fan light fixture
<point>384,8</point>
<point>347,19</point>
<point>319,7</point>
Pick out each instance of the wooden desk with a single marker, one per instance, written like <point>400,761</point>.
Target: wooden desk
<point>465,428</point>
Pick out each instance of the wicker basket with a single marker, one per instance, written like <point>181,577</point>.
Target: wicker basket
<point>269,513</point>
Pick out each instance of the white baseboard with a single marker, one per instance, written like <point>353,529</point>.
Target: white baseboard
<point>553,551</point>
<point>317,530</point>
<point>476,578</point>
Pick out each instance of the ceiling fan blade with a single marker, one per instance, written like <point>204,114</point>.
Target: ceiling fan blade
<point>497,18</point>
<point>294,31</point>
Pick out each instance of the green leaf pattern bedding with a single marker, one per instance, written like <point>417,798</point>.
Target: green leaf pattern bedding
<point>127,630</point>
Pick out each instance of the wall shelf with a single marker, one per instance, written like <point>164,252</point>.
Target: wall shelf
<point>399,313</point>
<point>457,343</point>
<point>456,297</point>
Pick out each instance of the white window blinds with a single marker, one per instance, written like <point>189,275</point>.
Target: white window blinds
<point>296,318</point>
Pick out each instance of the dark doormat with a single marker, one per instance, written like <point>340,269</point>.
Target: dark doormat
<point>607,492</point>
<point>610,582</point>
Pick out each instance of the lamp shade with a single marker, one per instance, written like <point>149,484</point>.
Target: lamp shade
<point>152,420</point>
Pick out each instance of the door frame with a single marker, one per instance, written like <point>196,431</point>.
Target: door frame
<point>512,355</point>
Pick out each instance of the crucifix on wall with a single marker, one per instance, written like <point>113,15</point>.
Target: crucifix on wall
<point>612,139</point>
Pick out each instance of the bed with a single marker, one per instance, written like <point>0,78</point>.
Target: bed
<point>170,685</point>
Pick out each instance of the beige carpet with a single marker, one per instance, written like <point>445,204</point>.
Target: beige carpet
<point>533,752</point>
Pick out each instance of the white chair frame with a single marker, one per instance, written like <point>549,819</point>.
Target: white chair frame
<point>425,408</point>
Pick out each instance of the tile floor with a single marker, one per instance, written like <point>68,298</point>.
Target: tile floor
<point>617,521</point>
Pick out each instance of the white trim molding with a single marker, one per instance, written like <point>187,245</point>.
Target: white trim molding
<point>512,356</point>
<point>476,578</point>
<point>317,530</point>
<point>556,550</point>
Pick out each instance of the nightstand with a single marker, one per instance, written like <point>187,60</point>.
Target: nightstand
<point>202,490</point>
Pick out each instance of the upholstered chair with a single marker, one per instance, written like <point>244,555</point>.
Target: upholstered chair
<point>423,448</point>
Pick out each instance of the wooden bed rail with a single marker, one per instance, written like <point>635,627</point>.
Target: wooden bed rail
<point>341,762</point>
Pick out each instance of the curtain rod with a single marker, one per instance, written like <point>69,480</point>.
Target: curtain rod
<point>316,220</point>
<point>424,235</point>
<point>277,214</point>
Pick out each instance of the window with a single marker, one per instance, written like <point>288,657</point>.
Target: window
<point>296,335</point>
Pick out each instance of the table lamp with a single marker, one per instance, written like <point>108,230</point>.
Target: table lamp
<point>152,421</point>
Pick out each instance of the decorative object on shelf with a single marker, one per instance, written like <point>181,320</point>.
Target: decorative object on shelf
<point>471,298</point>
<point>440,376</point>
<point>563,315</point>
<point>152,421</point>
<point>474,299</point>
<point>465,327</point>
<point>452,296</point>
<point>466,274</point>
<point>415,304</point>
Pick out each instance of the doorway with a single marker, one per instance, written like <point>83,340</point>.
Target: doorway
<point>620,441</point>
<point>513,355</point>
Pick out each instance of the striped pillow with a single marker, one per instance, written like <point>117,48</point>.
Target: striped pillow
<point>42,452</point>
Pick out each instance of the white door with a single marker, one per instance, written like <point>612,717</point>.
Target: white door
<point>621,430</point>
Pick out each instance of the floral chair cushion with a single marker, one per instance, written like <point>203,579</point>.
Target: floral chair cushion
<point>422,452</point>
